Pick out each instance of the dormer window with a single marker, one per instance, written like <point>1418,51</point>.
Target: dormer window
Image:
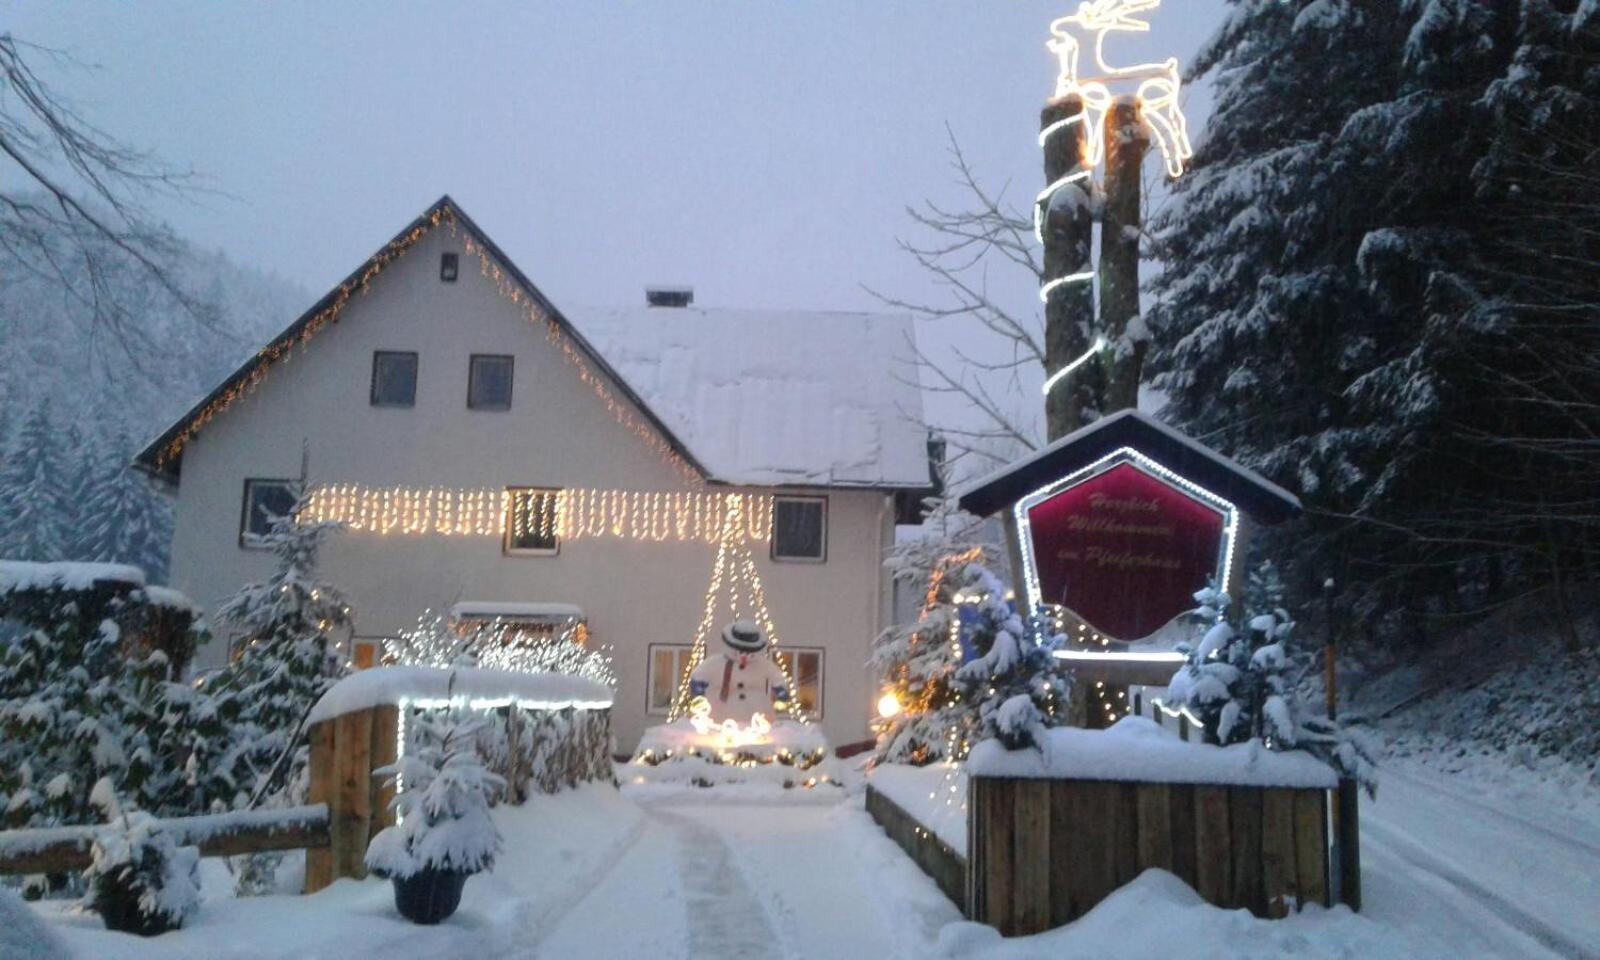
<point>449,267</point>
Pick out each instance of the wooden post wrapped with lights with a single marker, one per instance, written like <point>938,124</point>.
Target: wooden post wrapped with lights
<point>1086,124</point>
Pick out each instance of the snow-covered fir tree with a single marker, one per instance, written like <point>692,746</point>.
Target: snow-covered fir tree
<point>35,520</point>
<point>443,808</point>
<point>121,519</point>
<point>1317,257</point>
<point>1242,674</point>
<point>1017,685</point>
<point>918,660</point>
<point>283,627</point>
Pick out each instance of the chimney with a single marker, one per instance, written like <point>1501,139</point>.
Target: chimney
<point>664,295</point>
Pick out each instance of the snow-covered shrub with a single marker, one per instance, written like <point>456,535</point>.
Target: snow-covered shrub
<point>1241,678</point>
<point>1018,686</point>
<point>139,879</point>
<point>442,805</point>
<point>918,660</point>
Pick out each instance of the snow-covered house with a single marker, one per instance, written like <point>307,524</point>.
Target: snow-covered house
<point>445,403</point>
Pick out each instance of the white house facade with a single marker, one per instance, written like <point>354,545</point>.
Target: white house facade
<point>438,376</point>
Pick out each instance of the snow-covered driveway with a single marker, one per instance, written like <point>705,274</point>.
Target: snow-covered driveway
<point>765,882</point>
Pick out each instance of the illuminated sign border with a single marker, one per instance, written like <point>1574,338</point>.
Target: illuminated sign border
<point>1123,455</point>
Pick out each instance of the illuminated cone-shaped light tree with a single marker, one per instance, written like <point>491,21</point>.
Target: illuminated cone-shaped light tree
<point>735,593</point>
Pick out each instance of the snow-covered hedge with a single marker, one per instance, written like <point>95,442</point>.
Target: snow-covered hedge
<point>392,686</point>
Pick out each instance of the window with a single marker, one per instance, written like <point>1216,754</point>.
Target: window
<point>668,662</point>
<point>489,382</point>
<point>800,528</point>
<point>449,267</point>
<point>531,527</point>
<point>366,652</point>
<point>394,379</point>
<point>804,667</point>
<point>264,500</point>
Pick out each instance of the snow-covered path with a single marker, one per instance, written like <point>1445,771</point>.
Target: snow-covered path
<point>1488,880</point>
<point>768,882</point>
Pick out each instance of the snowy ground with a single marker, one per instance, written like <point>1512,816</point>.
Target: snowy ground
<point>768,874</point>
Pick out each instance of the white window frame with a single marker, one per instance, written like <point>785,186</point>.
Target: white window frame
<point>680,660</point>
<point>505,538</point>
<point>785,558</point>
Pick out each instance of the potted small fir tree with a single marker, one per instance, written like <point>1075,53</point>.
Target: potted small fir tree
<point>139,880</point>
<point>444,833</point>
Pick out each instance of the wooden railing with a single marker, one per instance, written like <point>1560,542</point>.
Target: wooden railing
<point>66,849</point>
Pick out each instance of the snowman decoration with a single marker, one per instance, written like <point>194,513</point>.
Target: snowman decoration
<point>740,682</point>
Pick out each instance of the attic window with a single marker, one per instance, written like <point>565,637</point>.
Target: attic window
<point>449,267</point>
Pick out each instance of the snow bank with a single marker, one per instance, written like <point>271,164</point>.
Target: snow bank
<point>1136,749</point>
<point>934,796</point>
<point>1158,916</point>
<point>24,935</point>
<point>390,685</point>
<point>23,575</point>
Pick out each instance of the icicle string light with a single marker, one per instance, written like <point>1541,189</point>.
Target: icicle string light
<point>574,513</point>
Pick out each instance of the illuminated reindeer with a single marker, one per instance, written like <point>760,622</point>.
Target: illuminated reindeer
<point>1159,83</point>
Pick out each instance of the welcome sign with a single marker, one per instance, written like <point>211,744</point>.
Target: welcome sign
<point>1123,548</point>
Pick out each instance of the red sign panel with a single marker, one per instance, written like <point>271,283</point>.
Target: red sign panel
<point>1124,550</point>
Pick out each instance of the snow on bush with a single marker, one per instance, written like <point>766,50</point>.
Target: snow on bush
<point>442,804</point>
<point>1017,684</point>
<point>133,855</point>
<point>1241,676</point>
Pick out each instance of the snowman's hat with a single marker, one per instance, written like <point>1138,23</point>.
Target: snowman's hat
<point>744,636</point>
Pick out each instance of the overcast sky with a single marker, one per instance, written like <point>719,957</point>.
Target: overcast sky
<point>763,152</point>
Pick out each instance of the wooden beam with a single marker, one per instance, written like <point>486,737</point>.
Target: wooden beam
<point>66,849</point>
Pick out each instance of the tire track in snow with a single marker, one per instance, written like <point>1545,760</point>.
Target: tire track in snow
<point>1415,855</point>
<point>725,919</point>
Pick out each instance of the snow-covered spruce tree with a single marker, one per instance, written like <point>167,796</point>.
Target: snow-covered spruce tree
<point>1018,687</point>
<point>918,660</point>
<point>1241,677</point>
<point>33,492</point>
<point>1330,212</point>
<point>121,519</point>
<point>283,665</point>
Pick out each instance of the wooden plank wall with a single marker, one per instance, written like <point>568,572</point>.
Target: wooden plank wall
<point>1044,852</point>
<point>344,752</point>
<point>936,858</point>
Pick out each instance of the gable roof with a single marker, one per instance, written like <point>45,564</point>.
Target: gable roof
<point>1252,493</point>
<point>766,397</point>
<point>735,392</point>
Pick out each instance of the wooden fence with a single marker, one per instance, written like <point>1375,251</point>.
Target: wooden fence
<point>1043,852</point>
<point>66,849</point>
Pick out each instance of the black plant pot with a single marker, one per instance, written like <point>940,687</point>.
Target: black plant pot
<point>118,906</point>
<point>429,895</point>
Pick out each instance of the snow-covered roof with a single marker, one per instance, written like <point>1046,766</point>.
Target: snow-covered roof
<point>381,686</point>
<point>488,610</point>
<point>1135,749</point>
<point>775,397</point>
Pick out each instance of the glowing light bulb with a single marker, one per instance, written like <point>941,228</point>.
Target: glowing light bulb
<point>888,705</point>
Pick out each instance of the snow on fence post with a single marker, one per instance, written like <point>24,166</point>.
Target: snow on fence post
<point>1052,834</point>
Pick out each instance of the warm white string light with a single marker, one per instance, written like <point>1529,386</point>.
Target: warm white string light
<point>568,514</point>
<point>1066,371</point>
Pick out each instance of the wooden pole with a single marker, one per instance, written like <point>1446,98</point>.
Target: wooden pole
<point>1121,225</point>
<point>1347,827</point>
<point>1069,323</point>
